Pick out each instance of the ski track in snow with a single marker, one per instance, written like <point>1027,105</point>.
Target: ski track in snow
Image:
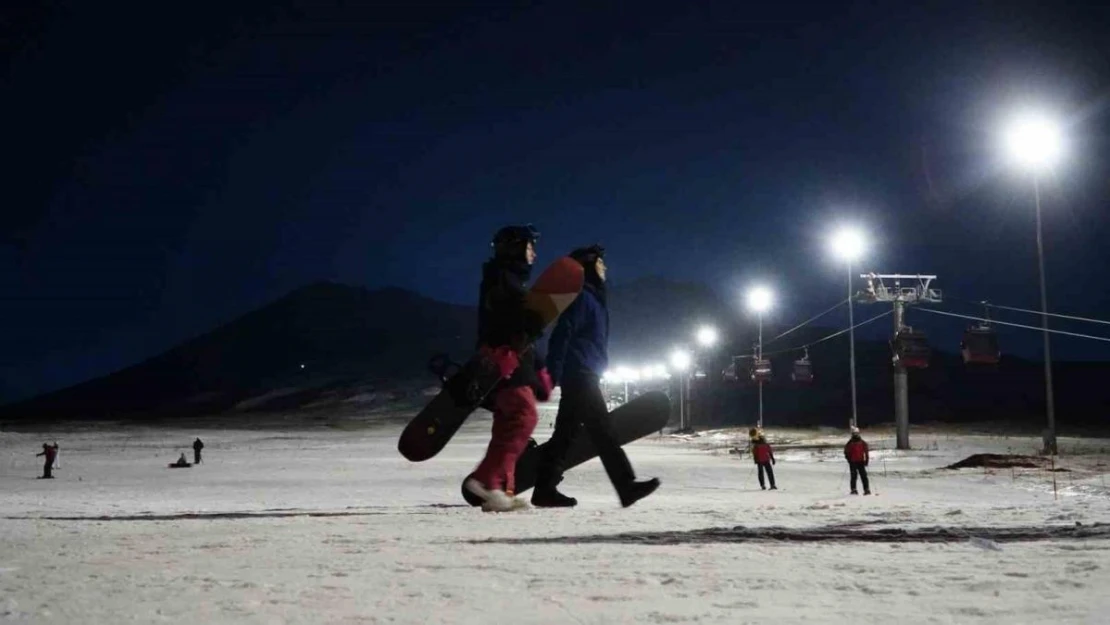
<point>322,526</point>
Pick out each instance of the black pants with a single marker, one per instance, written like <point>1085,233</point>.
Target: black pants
<point>196,456</point>
<point>766,466</point>
<point>47,468</point>
<point>582,407</point>
<point>860,469</point>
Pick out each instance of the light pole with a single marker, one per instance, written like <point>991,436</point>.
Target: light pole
<point>680,362</point>
<point>759,301</point>
<point>848,245</point>
<point>706,337</point>
<point>1035,143</point>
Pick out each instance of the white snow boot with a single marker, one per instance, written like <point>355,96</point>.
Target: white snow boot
<point>493,500</point>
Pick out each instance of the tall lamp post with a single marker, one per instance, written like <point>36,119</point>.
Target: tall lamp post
<point>706,338</point>
<point>1035,143</point>
<point>680,362</point>
<point>759,301</point>
<point>848,245</point>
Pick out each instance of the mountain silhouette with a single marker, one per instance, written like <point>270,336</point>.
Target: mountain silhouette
<point>327,344</point>
<point>318,337</point>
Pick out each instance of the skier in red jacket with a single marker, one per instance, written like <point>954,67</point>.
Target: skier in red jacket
<point>764,457</point>
<point>50,453</point>
<point>858,456</point>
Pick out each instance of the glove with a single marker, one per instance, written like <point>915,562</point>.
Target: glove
<point>504,358</point>
<point>543,389</point>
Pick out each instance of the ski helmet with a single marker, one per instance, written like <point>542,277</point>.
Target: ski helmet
<point>511,241</point>
<point>587,256</point>
<point>855,430</point>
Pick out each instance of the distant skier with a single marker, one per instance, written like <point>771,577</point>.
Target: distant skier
<point>506,331</point>
<point>578,353</point>
<point>764,457</point>
<point>57,456</point>
<point>858,456</point>
<point>181,462</point>
<point>197,446</point>
<point>50,452</point>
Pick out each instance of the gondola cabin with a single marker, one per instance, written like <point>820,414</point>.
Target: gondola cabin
<point>728,374</point>
<point>980,346</point>
<point>803,371</point>
<point>911,349</point>
<point>761,370</point>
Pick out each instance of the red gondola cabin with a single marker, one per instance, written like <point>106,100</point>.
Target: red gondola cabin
<point>803,370</point>
<point>911,349</point>
<point>761,370</point>
<point>980,346</point>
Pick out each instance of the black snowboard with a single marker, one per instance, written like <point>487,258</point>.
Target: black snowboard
<point>638,418</point>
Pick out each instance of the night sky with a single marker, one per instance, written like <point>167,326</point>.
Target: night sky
<point>171,166</point>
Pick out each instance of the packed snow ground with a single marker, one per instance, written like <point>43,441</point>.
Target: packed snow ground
<point>328,526</point>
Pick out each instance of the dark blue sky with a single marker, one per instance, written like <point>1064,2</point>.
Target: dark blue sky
<point>171,167</point>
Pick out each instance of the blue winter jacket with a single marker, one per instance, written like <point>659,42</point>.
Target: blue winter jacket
<point>580,341</point>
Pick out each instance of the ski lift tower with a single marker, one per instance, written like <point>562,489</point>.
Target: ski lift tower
<point>910,349</point>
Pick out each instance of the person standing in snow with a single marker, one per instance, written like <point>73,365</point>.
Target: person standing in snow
<point>506,333</point>
<point>577,355</point>
<point>50,453</point>
<point>57,456</point>
<point>764,457</point>
<point>858,456</point>
<point>197,446</point>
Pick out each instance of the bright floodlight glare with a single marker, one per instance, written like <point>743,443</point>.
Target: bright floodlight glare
<point>707,336</point>
<point>609,376</point>
<point>1034,142</point>
<point>848,244</point>
<point>759,299</point>
<point>625,374</point>
<point>680,360</point>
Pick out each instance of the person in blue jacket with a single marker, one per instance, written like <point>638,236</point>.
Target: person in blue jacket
<point>577,355</point>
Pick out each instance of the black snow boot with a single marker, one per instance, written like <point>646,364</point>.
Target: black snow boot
<point>634,491</point>
<point>550,497</point>
<point>547,495</point>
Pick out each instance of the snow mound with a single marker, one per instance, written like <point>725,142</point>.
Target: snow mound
<point>999,461</point>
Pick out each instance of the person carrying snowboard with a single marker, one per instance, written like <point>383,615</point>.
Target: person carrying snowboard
<point>506,332</point>
<point>764,457</point>
<point>578,354</point>
<point>50,452</point>
<point>197,446</point>
<point>858,456</point>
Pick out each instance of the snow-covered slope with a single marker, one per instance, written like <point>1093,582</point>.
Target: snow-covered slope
<point>320,526</point>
